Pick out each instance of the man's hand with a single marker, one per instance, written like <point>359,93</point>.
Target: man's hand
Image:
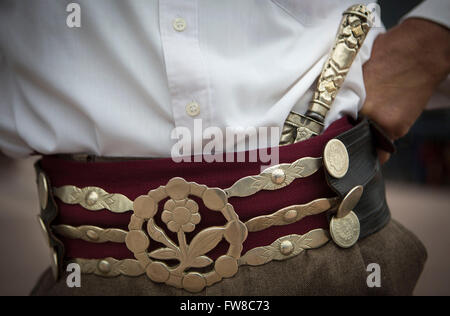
<point>407,64</point>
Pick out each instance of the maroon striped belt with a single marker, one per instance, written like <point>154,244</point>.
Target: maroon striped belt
<point>185,215</point>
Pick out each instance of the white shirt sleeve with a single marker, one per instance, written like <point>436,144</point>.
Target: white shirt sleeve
<point>437,11</point>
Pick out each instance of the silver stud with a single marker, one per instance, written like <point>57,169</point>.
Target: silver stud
<point>104,266</point>
<point>286,247</point>
<point>92,235</point>
<point>278,176</point>
<point>290,215</point>
<point>91,198</point>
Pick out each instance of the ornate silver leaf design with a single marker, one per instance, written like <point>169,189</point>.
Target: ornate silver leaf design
<point>249,185</point>
<point>205,241</point>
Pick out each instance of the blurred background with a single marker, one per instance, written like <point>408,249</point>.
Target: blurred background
<point>418,192</point>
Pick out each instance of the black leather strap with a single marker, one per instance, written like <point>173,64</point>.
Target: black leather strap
<point>382,141</point>
<point>364,169</point>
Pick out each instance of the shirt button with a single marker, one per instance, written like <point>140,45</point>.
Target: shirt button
<point>179,24</point>
<point>193,109</point>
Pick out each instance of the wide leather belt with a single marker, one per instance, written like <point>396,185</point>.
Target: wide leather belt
<point>191,225</point>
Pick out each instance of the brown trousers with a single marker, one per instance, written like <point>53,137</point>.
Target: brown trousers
<point>329,270</point>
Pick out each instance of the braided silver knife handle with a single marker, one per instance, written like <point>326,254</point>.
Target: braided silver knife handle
<point>353,29</point>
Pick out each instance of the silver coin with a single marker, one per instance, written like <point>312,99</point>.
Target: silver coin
<point>345,231</point>
<point>350,201</point>
<point>336,158</point>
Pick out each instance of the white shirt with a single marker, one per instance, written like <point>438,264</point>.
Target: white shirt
<point>135,70</point>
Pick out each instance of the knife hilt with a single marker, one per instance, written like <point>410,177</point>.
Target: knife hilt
<point>353,29</point>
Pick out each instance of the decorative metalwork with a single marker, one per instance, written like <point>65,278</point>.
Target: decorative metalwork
<point>353,29</point>
<point>352,32</point>
<point>110,267</point>
<point>336,158</point>
<point>345,230</point>
<point>285,247</point>
<point>53,254</point>
<point>344,226</point>
<point>181,215</point>
<point>91,233</point>
<point>291,214</point>
<point>299,127</point>
<point>94,198</point>
<point>300,168</point>
<point>350,201</point>
<point>42,190</point>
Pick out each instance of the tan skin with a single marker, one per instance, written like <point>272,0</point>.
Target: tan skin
<point>407,64</point>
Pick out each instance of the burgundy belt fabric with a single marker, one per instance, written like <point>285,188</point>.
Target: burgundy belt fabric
<point>133,178</point>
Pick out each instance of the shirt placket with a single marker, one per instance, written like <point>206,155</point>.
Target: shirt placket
<point>185,68</point>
